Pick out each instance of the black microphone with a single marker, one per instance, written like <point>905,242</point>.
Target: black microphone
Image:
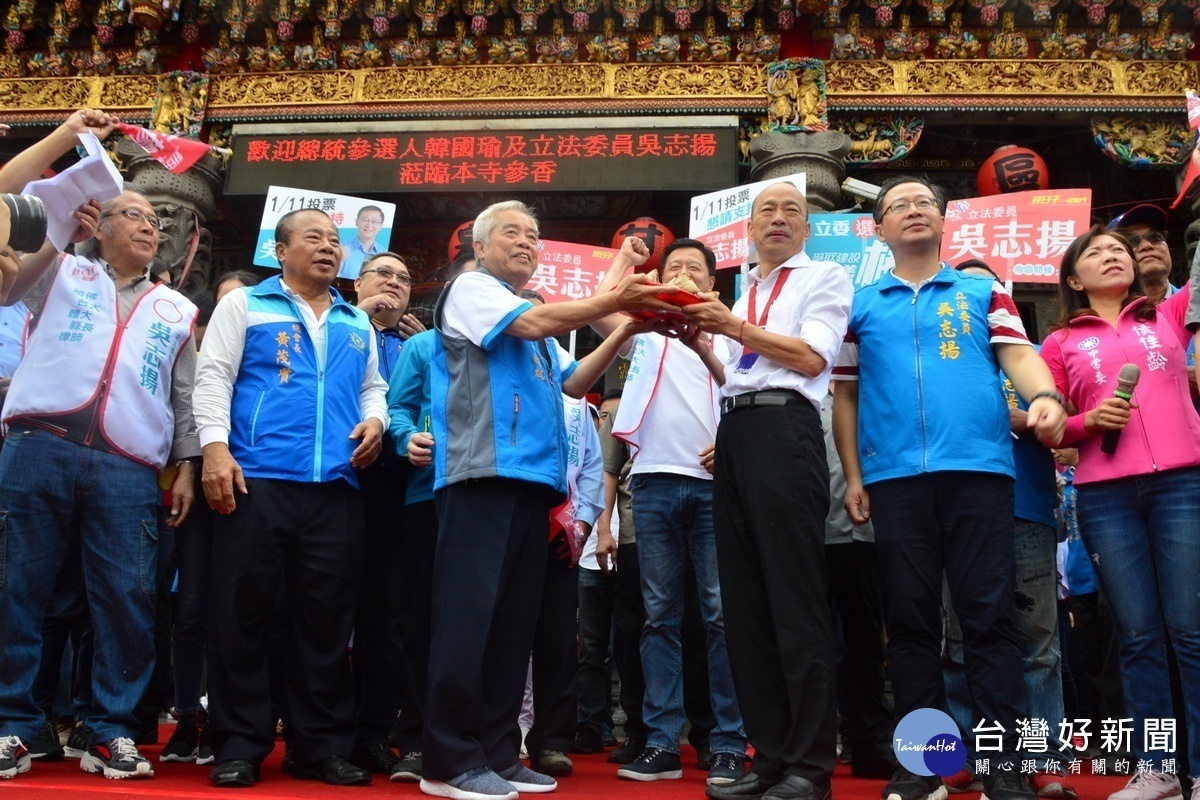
<point>1127,379</point>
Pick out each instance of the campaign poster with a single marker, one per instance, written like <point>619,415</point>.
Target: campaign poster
<point>364,226</point>
<point>850,240</point>
<point>1022,236</point>
<point>568,271</point>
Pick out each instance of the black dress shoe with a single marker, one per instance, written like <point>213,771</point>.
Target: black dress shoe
<point>750,786</point>
<point>793,787</point>
<point>376,757</point>
<point>335,770</point>
<point>234,774</point>
<point>628,752</point>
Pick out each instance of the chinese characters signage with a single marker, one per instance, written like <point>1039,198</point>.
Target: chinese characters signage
<point>568,271</point>
<point>1021,236</point>
<point>485,160</point>
<point>719,220</point>
<point>850,240</point>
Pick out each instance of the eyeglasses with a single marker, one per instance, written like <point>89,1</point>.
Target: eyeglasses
<point>1153,237</point>
<point>370,221</point>
<point>389,275</point>
<point>921,204</point>
<point>137,216</point>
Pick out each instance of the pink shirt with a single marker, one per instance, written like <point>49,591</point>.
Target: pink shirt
<point>1164,430</point>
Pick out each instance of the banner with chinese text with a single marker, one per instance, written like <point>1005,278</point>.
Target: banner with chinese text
<point>719,220</point>
<point>850,240</point>
<point>1022,236</point>
<point>568,271</point>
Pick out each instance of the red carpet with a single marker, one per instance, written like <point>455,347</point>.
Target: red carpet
<point>594,778</point>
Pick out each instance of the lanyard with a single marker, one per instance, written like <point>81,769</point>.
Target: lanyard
<point>750,304</point>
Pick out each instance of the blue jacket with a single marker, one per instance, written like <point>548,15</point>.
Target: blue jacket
<point>929,396</point>
<point>411,409</point>
<point>504,406</point>
<point>292,421</point>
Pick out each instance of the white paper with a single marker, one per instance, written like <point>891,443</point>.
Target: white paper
<point>95,177</point>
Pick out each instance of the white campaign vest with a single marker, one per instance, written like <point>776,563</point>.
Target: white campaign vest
<point>78,353</point>
<point>647,364</point>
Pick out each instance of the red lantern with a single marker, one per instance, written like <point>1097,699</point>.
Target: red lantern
<point>460,240</point>
<point>653,233</point>
<point>1012,169</point>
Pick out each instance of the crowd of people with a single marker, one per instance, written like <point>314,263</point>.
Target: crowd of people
<point>412,552</point>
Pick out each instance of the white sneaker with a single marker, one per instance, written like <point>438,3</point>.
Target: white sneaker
<point>1150,785</point>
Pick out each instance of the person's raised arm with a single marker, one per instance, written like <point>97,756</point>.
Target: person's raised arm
<point>633,253</point>
<point>592,366</point>
<point>32,162</point>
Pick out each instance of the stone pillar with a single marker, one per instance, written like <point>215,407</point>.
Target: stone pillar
<point>184,203</point>
<point>819,155</point>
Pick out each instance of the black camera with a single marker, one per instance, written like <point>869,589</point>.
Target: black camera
<point>27,222</point>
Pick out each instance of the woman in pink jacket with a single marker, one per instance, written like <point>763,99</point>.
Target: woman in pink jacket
<point>1139,507</point>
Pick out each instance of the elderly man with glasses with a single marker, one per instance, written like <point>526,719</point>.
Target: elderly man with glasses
<point>98,408</point>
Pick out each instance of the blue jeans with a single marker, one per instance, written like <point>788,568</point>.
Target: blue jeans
<point>673,518</point>
<point>1036,618</point>
<point>46,482</point>
<point>1143,533</point>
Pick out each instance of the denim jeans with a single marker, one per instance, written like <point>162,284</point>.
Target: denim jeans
<point>1144,536</point>
<point>1036,621</point>
<point>673,518</point>
<point>45,483</point>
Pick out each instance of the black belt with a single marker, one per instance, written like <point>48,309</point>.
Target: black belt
<point>770,397</point>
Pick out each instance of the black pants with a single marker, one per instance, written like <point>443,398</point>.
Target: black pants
<point>487,585</point>
<point>597,600</point>
<point>309,536</point>
<point>378,655</point>
<point>770,499</point>
<point>854,590</point>
<point>418,538</point>
<point>959,523</point>
<point>555,658</point>
<point>193,557</point>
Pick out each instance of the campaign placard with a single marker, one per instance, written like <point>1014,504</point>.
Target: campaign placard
<point>364,226</point>
<point>1022,236</point>
<point>850,240</point>
<point>568,271</point>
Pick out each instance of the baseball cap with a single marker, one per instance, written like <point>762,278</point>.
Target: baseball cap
<point>1144,214</point>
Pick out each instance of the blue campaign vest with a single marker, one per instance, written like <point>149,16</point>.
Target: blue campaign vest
<point>497,413</point>
<point>291,420</point>
<point>929,385</point>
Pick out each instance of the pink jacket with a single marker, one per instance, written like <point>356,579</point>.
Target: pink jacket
<point>1164,430</point>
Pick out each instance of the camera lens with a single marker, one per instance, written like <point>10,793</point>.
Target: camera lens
<point>27,222</point>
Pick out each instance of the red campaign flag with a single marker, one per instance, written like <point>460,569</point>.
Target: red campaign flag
<point>1193,169</point>
<point>176,153</point>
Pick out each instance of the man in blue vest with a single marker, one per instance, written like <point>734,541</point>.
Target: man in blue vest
<point>289,405</point>
<point>99,406</point>
<point>499,467</point>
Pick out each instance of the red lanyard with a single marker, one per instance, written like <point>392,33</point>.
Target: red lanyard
<point>779,282</point>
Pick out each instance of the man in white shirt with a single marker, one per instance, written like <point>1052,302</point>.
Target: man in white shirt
<point>289,405</point>
<point>771,495</point>
<point>668,417</point>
